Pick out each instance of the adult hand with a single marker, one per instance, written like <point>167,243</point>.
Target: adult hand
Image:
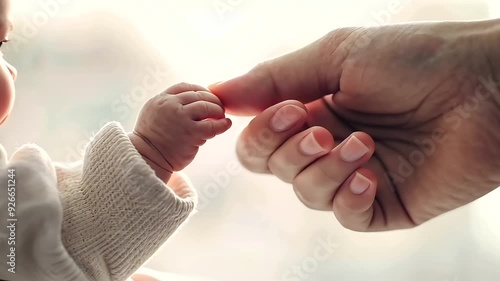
<point>413,110</point>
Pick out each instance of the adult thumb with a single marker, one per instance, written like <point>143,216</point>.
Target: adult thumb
<point>304,75</point>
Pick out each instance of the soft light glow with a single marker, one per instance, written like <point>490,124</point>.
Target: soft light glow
<point>254,228</point>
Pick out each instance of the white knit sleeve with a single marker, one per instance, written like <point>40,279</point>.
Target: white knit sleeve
<point>117,213</point>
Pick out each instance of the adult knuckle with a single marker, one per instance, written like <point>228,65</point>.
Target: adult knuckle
<point>337,44</point>
<point>279,168</point>
<point>345,204</point>
<point>301,186</point>
<point>348,224</point>
<point>328,179</point>
<point>250,160</point>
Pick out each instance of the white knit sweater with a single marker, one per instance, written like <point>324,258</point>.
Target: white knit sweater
<point>99,219</point>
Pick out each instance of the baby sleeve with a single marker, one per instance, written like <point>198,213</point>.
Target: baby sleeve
<point>117,213</point>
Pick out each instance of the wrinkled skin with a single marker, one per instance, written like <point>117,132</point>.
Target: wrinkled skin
<point>422,97</point>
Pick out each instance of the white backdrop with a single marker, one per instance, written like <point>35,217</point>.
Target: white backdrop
<point>82,63</point>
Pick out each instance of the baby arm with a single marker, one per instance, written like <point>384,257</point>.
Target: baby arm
<point>98,219</point>
<point>172,125</point>
<point>118,211</point>
<point>102,218</point>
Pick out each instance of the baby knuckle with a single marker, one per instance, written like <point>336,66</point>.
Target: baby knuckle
<point>185,85</point>
<point>170,103</point>
<point>202,96</point>
<point>211,97</point>
<point>210,130</point>
<point>204,106</point>
<point>179,88</point>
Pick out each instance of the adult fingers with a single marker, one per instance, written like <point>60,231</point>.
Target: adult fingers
<point>317,184</point>
<point>267,132</point>
<point>300,151</point>
<point>353,204</point>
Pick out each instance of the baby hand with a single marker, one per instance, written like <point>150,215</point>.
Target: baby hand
<point>172,125</point>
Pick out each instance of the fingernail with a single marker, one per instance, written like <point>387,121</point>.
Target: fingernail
<point>353,150</point>
<point>286,117</point>
<point>359,184</point>
<point>310,146</point>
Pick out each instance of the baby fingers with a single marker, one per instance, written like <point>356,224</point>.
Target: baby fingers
<point>209,128</point>
<point>201,110</point>
<point>194,96</point>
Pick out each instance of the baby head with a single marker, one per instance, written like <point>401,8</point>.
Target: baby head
<point>7,71</point>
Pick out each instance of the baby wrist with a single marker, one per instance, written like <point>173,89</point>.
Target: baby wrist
<point>152,157</point>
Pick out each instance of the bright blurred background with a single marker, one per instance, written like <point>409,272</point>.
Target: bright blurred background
<point>82,63</point>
